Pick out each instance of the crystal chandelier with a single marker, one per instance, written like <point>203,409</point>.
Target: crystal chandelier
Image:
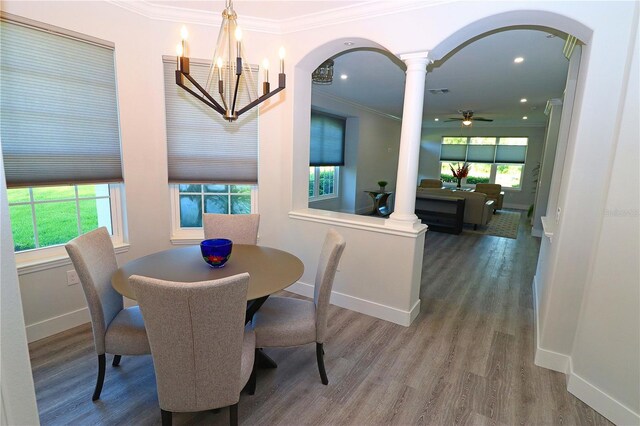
<point>324,73</point>
<point>229,72</point>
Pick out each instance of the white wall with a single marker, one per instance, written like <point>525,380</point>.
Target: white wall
<point>430,156</point>
<point>370,157</point>
<point>608,30</point>
<point>606,350</point>
<point>17,394</point>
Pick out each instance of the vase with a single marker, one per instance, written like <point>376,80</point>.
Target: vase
<point>382,188</point>
<point>459,180</point>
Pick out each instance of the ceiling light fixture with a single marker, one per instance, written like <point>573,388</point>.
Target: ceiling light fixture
<point>467,122</point>
<point>523,100</point>
<point>344,76</point>
<point>525,118</point>
<point>227,68</point>
<point>349,43</point>
<point>518,60</point>
<point>324,73</point>
<point>436,119</point>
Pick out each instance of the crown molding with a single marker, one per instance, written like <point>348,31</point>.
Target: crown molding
<point>356,105</point>
<point>340,15</point>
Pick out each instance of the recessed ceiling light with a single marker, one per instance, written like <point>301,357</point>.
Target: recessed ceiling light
<point>349,43</point>
<point>518,60</point>
<point>436,119</point>
<point>523,100</point>
<point>344,76</point>
<point>525,118</point>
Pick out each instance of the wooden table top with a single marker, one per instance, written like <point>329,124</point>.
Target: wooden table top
<point>270,269</point>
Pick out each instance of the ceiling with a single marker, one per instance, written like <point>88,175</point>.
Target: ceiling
<point>480,76</point>
<point>264,9</point>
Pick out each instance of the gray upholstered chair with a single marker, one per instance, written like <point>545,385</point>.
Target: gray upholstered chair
<point>284,321</point>
<point>239,228</point>
<point>430,183</point>
<point>202,354</point>
<point>116,330</point>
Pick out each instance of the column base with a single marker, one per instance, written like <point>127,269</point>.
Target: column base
<point>403,220</point>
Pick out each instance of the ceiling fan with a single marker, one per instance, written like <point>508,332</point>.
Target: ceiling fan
<point>467,118</point>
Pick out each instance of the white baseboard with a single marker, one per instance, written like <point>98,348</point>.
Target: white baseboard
<point>363,306</point>
<point>597,399</point>
<point>543,357</point>
<point>51,326</point>
<point>603,403</point>
<point>515,206</point>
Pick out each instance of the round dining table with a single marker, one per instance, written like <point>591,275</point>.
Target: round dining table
<point>270,269</point>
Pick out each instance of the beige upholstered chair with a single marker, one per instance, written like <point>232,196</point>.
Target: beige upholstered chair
<point>202,354</point>
<point>494,192</point>
<point>116,330</point>
<point>284,321</point>
<point>430,183</point>
<point>239,228</point>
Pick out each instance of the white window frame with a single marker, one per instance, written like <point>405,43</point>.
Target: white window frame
<point>316,184</point>
<point>187,236</point>
<point>43,258</point>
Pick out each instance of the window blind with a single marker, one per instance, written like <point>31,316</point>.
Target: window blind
<point>511,154</point>
<point>453,152</point>
<point>481,153</point>
<point>327,140</point>
<point>202,147</point>
<point>59,121</point>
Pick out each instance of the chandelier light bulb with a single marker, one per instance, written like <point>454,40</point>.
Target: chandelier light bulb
<point>184,33</point>
<point>238,34</point>
<point>281,53</point>
<point>265,64</point>
<point>179,50</point>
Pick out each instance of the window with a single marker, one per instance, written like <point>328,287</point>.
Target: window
<point>62,155</point>
<point>491,159</point>
<point>48,216</point>
<point>212,164</point>
<point>223,199</point>
<point>323,182</point>
<point>326,154</point>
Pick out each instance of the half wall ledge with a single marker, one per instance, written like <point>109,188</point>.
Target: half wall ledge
<point>365,223</point>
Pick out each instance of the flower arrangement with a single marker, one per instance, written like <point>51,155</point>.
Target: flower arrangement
<point>460,172</point>
<point>382,184</point>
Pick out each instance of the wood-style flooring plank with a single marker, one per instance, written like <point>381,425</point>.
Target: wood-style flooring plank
<point>466,359</point>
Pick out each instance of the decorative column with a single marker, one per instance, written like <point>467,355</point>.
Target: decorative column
<point>409,156</point>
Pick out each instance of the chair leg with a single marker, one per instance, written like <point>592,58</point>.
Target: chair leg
<point>102,364</point>
<point>167,417</point>
<point>233,414</point>
<point>116,360</point>
<point>253,381</point>
<point>320,357</point>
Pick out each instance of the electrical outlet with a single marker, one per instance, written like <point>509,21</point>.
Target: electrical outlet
<point>72,277</point>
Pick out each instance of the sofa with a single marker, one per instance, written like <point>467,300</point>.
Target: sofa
<point>494,192</point>
<point>478,208</point>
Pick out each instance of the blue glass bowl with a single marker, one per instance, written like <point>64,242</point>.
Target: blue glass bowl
<point>216,251</point>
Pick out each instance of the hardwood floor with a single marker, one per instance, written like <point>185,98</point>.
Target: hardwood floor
<point>467,359</point>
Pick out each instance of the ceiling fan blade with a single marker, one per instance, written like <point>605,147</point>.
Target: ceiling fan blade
<point>481,119</point>
<point>453,119</point>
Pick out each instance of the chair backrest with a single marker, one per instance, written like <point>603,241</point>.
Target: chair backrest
<point>330,255</point>
<point>491,189</point>
<point>94,259</point>
<point>430,183</point>
<point>239,228</point>
<point>195,332</point>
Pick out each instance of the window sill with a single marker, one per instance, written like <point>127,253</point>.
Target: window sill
<point>322,198</point>
<point>54,261</point>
